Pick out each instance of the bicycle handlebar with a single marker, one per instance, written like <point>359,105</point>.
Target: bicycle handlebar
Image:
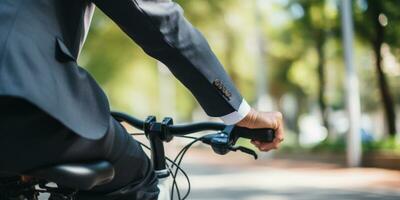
<point>174,129</point>
<point>221,142</point>
<point>137,123</point>
<point>262,135</point>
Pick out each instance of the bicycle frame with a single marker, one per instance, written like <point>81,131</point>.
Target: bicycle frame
<point>165,186</point>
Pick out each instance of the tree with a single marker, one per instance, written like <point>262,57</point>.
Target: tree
<point>313,26</point>
<point>372,26</point>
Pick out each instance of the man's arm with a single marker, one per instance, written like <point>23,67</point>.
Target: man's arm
<point>159,27</point>
<point>161,30</point>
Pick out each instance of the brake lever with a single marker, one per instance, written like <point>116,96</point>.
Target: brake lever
<point>245,150</point>
<point>221,143</point>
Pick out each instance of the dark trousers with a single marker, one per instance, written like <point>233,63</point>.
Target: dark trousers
<point>30,139</point>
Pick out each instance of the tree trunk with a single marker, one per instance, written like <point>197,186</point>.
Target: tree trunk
<point>387,100</point>
<point>321,78</point>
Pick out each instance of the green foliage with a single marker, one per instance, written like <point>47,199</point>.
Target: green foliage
<point>387,145</point>
<point>367,13</point>
<point>339,146</point>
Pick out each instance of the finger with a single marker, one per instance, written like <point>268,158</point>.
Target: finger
<point>276,146</point>
<point>265,149</point>
<point>267,146</point>
<point>275,120</point>
<point>279,132</point>
<point>273,145</point>
<point>255,142</point>
<point>278,140</point>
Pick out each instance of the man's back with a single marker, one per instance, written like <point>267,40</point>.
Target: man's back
<point>40,41</point>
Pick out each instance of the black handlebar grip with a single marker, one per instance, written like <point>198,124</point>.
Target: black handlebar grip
<point>261,134</point>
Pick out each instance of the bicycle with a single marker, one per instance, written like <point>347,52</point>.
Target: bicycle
<point>70,178</point>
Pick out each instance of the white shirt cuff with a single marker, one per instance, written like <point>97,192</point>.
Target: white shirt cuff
<point>237,116</point>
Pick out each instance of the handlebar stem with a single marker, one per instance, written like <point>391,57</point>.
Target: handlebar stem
<point>153,132</point>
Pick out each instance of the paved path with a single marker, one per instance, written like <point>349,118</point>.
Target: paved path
<point>237,177</point>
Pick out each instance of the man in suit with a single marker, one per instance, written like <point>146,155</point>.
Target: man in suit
<point>52,110</point>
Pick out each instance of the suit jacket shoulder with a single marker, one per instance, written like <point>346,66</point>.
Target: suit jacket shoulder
<point>40,42</point>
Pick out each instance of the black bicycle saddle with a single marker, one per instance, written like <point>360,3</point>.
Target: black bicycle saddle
<point>80,176</point>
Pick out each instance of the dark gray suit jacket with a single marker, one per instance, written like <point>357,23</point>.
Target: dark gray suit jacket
<point>40,41</point>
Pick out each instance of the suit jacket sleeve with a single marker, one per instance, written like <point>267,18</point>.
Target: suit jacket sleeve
<point>161,30</point>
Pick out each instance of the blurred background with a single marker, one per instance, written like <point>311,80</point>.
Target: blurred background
<point>332,67</point>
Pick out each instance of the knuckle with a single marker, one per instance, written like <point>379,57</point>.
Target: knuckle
<point>264,148</point>
<point>278,115</point>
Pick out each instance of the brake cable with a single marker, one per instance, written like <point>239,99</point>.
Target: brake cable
<point>176,163</point>
<point>179,159</point>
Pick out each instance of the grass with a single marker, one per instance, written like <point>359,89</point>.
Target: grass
<point>388,145</point>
